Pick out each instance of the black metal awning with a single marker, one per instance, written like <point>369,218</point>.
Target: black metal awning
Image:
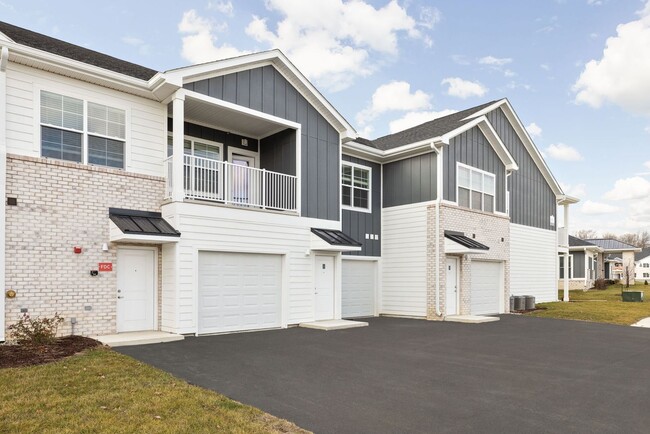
<point>335,238</point>
<point>141,222</point>
<point>460,238</point>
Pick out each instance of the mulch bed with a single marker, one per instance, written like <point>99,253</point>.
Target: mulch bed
<point>529,310</point>
<point>14,356</point>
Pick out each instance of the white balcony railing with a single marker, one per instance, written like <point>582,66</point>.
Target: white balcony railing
<point>221,181</point>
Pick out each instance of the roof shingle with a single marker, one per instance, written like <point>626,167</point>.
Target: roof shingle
<point>75,52</point>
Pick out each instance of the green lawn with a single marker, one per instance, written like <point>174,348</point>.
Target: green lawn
<point>101,391</point>
<point>598,305</point>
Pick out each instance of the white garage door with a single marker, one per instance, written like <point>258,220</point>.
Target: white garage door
<point>358,288</point>
<point>486,287</point>
<point>239,291</point>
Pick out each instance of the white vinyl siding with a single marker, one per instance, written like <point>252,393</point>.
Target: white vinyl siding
<point>145,124</point>
<point>358,287</point>
<point>533,263</point>
<point>206,228</point>
<point>404,260</point>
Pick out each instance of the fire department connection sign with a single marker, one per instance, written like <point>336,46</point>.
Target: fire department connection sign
<point>105,266</point>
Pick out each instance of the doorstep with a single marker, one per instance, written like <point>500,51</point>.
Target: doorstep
<point>471,319</point>
<point>138,338</point>
<point>333,324</point>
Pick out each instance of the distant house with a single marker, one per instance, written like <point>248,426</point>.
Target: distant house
<point>642,270</point>
<point>615,259</point>
<point>582,266</point>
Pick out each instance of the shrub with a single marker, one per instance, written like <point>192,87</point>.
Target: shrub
<point>600,284</point>
<point>39,331</point>
<point>645,283</point>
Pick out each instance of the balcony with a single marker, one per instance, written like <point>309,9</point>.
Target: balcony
<point>231,184</point>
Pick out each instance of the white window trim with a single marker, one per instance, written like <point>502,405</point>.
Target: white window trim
<point>352,207</point>
<point>38,142</point>
<point>561,257</point>
<point>484,172</point>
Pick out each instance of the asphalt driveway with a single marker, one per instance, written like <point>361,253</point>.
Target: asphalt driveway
<point>519,374</point>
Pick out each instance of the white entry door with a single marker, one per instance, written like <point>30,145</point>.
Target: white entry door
<point>324,291</point>
<point>135,289</point>
<point>451,296</point>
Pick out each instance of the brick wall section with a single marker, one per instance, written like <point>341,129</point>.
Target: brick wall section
<point>62,205</point>
<point>488,229</point>
<point>576,284</point>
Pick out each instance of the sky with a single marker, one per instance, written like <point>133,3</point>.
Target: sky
<point>577,72</point>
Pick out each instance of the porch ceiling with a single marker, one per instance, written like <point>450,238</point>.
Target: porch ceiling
<point>228,119</point>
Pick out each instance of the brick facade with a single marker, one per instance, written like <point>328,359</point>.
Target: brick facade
<point>487,228</point>
<point>577,284</point>
<point>62,205</point>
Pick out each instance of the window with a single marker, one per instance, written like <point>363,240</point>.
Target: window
<point>475,188</point>
<point>356,186</point>
<point>646,274</point>
<point>570,267</point>
<point>645,265</point>
<point>196,147</point>
<point>65,134</point>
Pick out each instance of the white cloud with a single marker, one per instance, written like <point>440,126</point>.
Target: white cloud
<point>621,75</point>
<point>143,48</point>
<point>199,42</point>
<point>595,2</point>
<point>429,17</point>
<point>494,61</point>
<point>577,190</point>
<point>394,96</point>
<point>464,88</point>
<point>629,188</point>
<point>334,43</point>
<point>224,7</point>
<point>647,164</point>
<point>412,119</point>
<point>647,130</point>
<point>593,35</point>
<point>460,59</point>
<point>509,73</point>
<point>563,152</point>
<point>534,130</point>
<point>595,208</point>
<point>545,67</point>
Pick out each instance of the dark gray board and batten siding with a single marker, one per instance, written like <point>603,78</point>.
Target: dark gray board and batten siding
<point>357,224</point>
<point>266,90</point>
<point>473,149</point>
<point>532,201</point>
<point>411,180</point>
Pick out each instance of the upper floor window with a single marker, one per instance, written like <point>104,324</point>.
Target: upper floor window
<point>475,188</point>
<point>67,134</point>
<point>645,265</point>
<point>356,186</point>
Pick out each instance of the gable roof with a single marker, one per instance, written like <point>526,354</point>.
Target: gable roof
<point>644,253</point>
<point>435,128</point>
<point>612,244</point>
<point>577,242</point>
<point>48,44</point>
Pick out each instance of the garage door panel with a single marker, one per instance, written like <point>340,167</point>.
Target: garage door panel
<point>239,291</point>
<point>486,288</point>
<point>358,288</point>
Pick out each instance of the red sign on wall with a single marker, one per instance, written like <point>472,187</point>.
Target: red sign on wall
<point>105,266</point>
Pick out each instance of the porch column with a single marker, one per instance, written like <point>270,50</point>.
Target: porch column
<point>566,255</point>
<point>178,136</point>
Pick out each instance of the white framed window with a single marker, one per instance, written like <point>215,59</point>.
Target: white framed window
<point>84,132</point>
<point>646,274</point>
<point>475,188</point>
<point>561,257</point>
<point>356,187</point>
<point>198,148</point>
<point>645,265</point>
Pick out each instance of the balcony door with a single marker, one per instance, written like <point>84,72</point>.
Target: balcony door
<point>245,180</point>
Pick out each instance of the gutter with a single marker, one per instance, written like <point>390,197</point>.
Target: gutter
<point>437,146</point>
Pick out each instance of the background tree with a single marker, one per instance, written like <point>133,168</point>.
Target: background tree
<point>586,234</point>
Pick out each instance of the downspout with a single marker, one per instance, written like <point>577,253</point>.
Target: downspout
<point>4,59</point>
<point>436,145</point>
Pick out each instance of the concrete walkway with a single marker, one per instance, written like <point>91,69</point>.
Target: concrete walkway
<point>645,322</point>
